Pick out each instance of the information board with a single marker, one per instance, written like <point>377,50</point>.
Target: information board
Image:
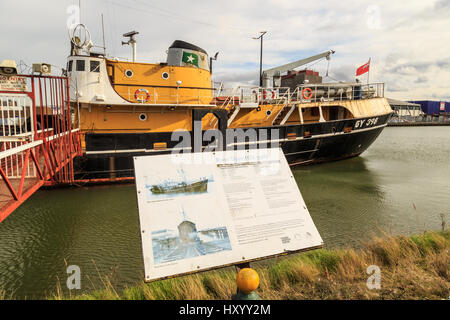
<point>13,83</point>
<point>226,208</point>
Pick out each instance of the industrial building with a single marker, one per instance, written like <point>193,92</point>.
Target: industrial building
<point>422,112</point>
<point>434,107</point>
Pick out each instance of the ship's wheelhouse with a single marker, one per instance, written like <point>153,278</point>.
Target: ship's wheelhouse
<point>184,79</point>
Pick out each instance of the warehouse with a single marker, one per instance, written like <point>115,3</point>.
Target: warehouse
<point>434,107</point>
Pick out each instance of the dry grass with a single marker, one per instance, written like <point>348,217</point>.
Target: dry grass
<point>415,267</point>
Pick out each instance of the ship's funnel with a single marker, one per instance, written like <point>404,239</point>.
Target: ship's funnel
<point>182,53</point>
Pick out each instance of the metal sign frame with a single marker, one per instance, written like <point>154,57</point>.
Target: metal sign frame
<point>173,256</point>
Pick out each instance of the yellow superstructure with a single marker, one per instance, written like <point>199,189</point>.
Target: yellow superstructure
<point>164,84</point>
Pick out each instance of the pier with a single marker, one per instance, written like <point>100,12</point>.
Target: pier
<point>37,142</point>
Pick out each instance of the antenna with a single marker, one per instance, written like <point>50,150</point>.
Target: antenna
<point>79,11</point>
<point>79,17</point>
<point>104,42</point>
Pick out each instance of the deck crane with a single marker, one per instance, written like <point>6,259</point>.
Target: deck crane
<point>275,73</point>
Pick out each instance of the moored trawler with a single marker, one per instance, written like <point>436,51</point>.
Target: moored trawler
<point>125,109</point>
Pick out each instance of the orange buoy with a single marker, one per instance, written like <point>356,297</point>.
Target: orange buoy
<point>247,280</point>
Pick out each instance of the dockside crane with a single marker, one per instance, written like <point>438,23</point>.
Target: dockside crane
<point>276,72</point>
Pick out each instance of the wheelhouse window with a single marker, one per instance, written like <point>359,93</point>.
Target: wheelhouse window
<point>81,65</point>
<point>95,66</point>
<point>70,65</point>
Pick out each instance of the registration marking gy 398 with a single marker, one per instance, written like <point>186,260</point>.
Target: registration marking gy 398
<point>366,123</point>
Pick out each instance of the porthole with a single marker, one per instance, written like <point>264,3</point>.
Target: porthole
<point>268,112</point>
<point>129,73</point>
<point>165,75</point>
<point>143,117</point>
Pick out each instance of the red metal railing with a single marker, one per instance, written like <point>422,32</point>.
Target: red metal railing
<point>37,140</point>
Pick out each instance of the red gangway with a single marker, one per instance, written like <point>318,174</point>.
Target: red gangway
<point>37,140</point>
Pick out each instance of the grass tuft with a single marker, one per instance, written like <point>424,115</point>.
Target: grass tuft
<point>325,260</point>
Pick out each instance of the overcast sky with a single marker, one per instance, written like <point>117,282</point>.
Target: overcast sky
<point>408,41</point>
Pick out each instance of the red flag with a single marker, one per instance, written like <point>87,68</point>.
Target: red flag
<point>363,69</point>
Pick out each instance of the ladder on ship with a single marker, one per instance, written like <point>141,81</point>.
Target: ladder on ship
<point>254,97</point>
<point>37,140</point>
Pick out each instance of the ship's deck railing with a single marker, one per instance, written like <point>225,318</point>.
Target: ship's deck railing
<point>162,96</point>
<point>337,92</point>
<point>252,96</point>
<point>323,92</point>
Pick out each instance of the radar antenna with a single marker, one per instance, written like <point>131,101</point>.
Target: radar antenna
<point>131,42</point>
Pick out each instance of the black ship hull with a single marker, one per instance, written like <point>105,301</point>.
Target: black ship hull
<point>111,155</point>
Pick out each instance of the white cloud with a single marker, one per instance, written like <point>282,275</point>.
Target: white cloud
<point>409,42</point>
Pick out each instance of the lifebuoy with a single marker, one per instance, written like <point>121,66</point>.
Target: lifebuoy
<point>265,94</point>
<point>304,93</point>
<point>138,91</point>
